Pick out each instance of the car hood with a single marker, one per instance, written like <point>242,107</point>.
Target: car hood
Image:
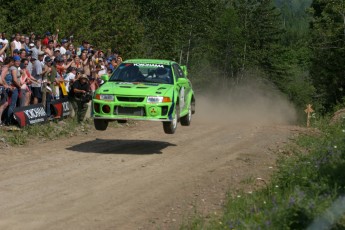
<point>135,89</point>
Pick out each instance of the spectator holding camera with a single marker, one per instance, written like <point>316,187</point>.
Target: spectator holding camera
<point>80,96</point>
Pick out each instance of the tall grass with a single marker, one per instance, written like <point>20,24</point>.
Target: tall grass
<point>46,131</point>
<point>306,189</point>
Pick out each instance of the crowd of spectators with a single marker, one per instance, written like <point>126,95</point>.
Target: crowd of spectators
<point>38,69</point>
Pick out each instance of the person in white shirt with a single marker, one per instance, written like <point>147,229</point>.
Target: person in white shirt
<point>70,77</point>
<point>3,39</point>
<point>63,48</point>
<point>16,44</point>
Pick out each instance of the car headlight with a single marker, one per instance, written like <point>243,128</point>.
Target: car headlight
<point>105,97</point>
<point>154,99</point>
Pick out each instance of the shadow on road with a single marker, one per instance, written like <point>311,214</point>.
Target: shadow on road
<point>136,147</point>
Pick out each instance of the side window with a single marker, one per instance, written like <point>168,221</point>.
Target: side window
<point>178,71</point>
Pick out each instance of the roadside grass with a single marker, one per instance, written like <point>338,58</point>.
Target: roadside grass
<point>51,130</point>
<point>307,187</point>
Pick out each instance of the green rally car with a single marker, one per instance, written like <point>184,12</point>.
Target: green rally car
<point>145,89</point>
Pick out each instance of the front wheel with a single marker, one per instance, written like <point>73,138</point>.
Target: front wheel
<point>100,124</point>
<point>186,120</point>
<point>170,126</point>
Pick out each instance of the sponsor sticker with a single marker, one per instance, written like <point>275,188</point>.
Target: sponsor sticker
<point>149,65</point>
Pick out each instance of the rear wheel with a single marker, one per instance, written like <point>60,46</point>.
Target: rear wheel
<point>170,126</point>
<point>185,120</point>
<point>100,124</point>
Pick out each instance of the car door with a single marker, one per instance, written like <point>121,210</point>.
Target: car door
<point>183,89</point>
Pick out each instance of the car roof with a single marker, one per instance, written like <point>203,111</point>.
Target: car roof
<point>150,61</point>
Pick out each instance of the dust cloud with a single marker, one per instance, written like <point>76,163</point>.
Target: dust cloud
<point>254,102</point>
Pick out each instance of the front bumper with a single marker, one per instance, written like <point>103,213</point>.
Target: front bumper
<point>116,110</point>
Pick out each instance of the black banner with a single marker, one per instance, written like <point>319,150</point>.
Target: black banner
<point>61,107</point>
<point>30,115</point>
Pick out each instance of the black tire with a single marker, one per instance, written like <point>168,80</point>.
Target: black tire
<point>186,120</point>
<point>170,126</point>
<point>193,105</point>
<point>100,124</point>
<point>121,121</point>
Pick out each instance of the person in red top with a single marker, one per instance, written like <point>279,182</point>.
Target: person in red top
<point>47,38</point>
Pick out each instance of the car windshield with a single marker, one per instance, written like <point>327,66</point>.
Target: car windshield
<point>136,72</point>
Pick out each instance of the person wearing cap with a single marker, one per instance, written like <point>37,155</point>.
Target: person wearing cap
<point>15,52</point>
<point>79,90</point>
<point>85,46</point>
<point>57,52</point>
<point>70,77</point>
<point>47,38</point>
<point>64,45</point>
<point>37,74</point>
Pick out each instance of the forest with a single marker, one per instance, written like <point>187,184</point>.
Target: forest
<point>298,45</point>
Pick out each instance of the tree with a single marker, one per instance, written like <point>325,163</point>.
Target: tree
<point>328,40</point>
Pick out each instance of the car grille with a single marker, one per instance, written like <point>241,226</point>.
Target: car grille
<point>130,111</point>
<point>131,99</point>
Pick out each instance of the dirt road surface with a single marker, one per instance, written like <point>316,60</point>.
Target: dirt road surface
<point>135,177</point>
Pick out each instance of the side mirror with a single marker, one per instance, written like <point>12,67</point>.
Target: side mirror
<point>182,81</point>
<point>184,69</point>
<point>105,77</point>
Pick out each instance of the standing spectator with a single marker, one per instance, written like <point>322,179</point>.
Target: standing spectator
<point>25,80</point>
<point>77,62</point>
<point>12,80</point>
<point>66,62</point>
<point>22,53</point>
<point>79,89</point>
<point>103,68</point>
<point>85,46</point>
<point>119,60</point>
<point>70,51</point>
<point>50,48</point>
<point>49,87</point>
<point>47,38</point>
<point>70,77</point>
<point>22,42</point>
<point>32,37</point>
<point>64,45</point>
<point>113,64</point>
<point>86,63</point>
<point>3,51</point>
<point>4,87</point>
<point>16,44</point>
<point>3,39</point>
<point>16,52</point>
<point>37,74</point>
<point>29,66</point>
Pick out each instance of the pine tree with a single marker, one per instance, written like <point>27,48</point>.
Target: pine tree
<point>328,40</point>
